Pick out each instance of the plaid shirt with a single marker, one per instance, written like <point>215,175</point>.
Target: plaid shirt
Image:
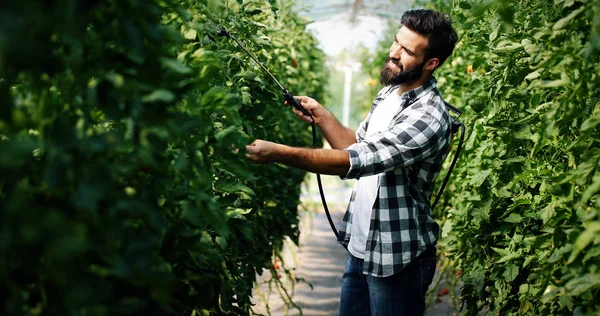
<point>407,157</point>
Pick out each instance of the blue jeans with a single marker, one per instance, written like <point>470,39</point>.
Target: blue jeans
<point>402,294</point>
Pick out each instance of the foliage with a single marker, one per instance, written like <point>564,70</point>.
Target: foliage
<point>124,187</point>
<point>523,215</point>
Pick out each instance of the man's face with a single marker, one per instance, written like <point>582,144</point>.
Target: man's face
<point>406,58</point>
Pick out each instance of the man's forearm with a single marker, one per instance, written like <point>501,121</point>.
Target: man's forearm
<point>323,161</point>
<point>338,136</point>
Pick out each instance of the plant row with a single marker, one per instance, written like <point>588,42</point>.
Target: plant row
<point>124,186</point>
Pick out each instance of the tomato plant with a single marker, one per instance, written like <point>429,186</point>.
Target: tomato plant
<point>522,217</point>
<point>124,187</point>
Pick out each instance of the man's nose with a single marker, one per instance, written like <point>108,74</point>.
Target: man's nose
<point>395,52</point>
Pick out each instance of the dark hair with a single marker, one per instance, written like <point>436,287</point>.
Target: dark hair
<point>437,27</point>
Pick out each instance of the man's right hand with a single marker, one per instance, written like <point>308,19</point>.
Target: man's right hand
<point>313,107</point>
<point>338,136</point>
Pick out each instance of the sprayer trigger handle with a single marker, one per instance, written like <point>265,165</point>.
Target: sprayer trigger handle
<point>289,98</point>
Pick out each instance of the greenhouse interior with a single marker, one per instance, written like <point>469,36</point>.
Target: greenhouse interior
<point>309,157</point>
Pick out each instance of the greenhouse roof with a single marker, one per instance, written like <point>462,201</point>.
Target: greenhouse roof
<point>342,24</point>
<point>318,10</point>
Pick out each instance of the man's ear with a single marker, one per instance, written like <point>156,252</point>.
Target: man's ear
<point>431,64</point>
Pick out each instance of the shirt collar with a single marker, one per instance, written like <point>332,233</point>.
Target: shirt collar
<point>417,92</point>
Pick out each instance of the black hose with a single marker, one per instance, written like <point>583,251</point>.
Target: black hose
<point>321,192</point>
<point>460,143</point>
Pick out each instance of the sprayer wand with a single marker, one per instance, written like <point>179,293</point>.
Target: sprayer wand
<point>289,98</point>
<point>287,95</point>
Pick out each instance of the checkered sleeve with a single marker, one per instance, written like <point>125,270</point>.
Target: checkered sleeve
<point>418,132</point>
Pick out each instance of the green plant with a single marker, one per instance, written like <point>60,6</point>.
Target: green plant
<point>523,208</point>
<point>124,185</point>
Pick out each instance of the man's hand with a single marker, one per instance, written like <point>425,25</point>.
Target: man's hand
<point>338,136</point>
<point>311,105</point>
<point>261,151</point>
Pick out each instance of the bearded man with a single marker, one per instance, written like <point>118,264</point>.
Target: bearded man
<point>395,155</point>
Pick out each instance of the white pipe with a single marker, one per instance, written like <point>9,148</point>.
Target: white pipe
<point>347,95</point>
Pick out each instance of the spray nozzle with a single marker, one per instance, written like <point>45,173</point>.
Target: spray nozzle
<point>289,98</point>
<point>223,32</point>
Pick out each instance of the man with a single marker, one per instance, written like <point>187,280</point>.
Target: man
<point>396,154</point>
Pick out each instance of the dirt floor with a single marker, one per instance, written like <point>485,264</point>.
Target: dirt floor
<point>320,261</point>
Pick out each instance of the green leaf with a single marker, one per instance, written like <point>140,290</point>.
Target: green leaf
<point>522,200</point>
<point>592,253</point>
<point>560,252</point>
<point>176,66</point>
<point>190,34</point>
<point>525,307</point>
<point>501,251</point>
<point>514,218</point>
<point>591,190</point>
<point>249,75</point>
<point>238,213</point>
<point>479,178</point>
<point>525,133</point>
<point>510,273</point>
<point>560,24</point>
<point>547,212</point>
<point>563,81</point>
<point>582,284</point>
<point>221,241</point>
<point>159,95</point>
<point>228,186</point>
<point>224,133</point>
<point>523,288</point>
<point>476,277</point>
<point>506,46</point>
<point>264,41</point>
<point>509,257</point>
<point>590,123</point>
<point>584,239</point>
<point>533,75</point>
<point>218,98</point>
<point>464,5</point>
<point>565,301</point>
<point>482,211</point>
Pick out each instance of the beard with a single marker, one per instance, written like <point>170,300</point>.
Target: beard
<point>388,77</point>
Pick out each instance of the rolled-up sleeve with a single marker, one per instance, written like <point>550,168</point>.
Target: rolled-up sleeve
<point>419,132</point>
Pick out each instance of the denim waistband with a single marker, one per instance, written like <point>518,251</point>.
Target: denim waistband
<point>430,253</point>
